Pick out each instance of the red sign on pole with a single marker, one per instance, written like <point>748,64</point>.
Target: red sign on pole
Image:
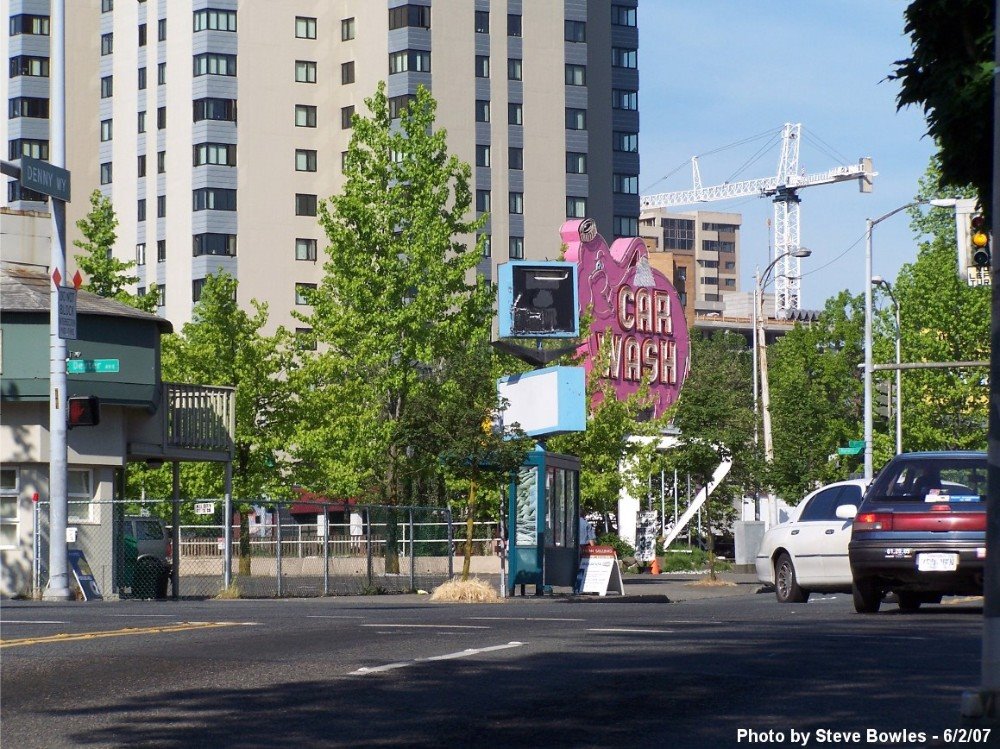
<point>57,277</point>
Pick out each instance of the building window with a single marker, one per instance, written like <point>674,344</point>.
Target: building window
<point>36,149</point>
<point>161,162</point>
<point>347,72</point>
<point>482,66</point>
<point>218,154</point>
<point>161,252</point>
<point>576,163</point>
<point>624,98</point>
<point>626,226</point>
<point>622,15</point>
<point>197,286</point>
<point>576,119</point>
<point>107,44</point>
<point>482,110</point>
<point>515,113</point>
<point>305,71</point>
<point>482,155</point>
<point>141,122</point>
<point>346,115</point>
<point>80,496</point>
<point>214,63</point>
<point>626,184</point>
<point>409,60</point>
<point>223,110</point>
<point>515,248</point>
<point>627,142</point>
<point>210,19</point>
<point>140,253</point>
<point>515,202</point>
<point>624,57</point>
<point>398,105</point>
<point>26,23</point>
<point>486,242</point>
<point>576,207</point>
<point>305,249</point>
<point>514,69</point>
<point>305,28</point>
<point>347,29</point>
<point>304,339</point>
<point>576,31</point>
<point>161,295</point>
<point>107,6</point>
<point>107,128</point>
<point>141,165</point>
<point>27,106</point>
<point>576,75</point>
<point>142,79</point>
<point>482,22</point>
<point>37,67</point>
<point>305,160</point>
<point>304,292</point>
<point>209,243</point>
<point>483,200</point>
<point>305,115</point>
<point>418,16</point>
<point>213,199</point>
<point>107,87</point>
<point>305,204</point>
<point>106,173</point>
<point>161,118</point>
<point>142,35</point>
<point>161,206</point>
<point>161,73</point>
<point>10,516</point>
<point>140,210</point>
<point>161,30</point>
<point>513,24</point>
<point>515,157</point>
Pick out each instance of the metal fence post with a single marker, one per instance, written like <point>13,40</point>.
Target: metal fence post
<point>413,556</point>
<point>451,543</point>
<point>326,550</point>
<point>36,545</point>
<point>227,554</point>
<point>277,553</point>
<point>368,536</point>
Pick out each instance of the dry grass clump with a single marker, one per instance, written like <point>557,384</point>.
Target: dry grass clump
<point>710,583</point>
<point>230,593</point>
<point>472,590</point>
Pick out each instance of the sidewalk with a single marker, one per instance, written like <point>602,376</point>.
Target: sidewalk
<point>673,587</point>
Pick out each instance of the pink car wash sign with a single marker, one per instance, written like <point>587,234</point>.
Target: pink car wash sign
<point>636,307</point>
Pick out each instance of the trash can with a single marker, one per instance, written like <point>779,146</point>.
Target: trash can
<point>151,578</point>
<point>129,554</point>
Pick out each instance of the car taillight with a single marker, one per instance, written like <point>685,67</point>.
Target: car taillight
<point>873,521</point>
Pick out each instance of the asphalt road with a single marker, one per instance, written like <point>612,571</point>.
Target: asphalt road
<point>401,671</point>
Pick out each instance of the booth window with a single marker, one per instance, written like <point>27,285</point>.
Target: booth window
<point>561,491</point>
<point>9,516</point>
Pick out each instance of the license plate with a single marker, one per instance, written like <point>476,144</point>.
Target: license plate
<point>931,562</point>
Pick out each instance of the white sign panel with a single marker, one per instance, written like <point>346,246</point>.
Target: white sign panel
<point>599,571</point>
<point>67,312</point>
<point>204,508</point>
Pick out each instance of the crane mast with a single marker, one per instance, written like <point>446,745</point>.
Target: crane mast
<point>783,189</point>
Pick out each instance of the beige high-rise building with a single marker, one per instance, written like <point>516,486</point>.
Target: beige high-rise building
<point>215,126</point>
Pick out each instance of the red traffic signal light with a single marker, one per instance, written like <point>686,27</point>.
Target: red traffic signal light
<point>84,411</point>
<point>979,238</point>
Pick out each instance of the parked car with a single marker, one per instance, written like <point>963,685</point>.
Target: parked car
<point>150,573</point>
<point>920,531</point>
<point>809,552</point>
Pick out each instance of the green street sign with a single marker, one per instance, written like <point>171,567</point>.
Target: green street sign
<point>857,447</point>
<point>856,444</point>
<point>92,366</point>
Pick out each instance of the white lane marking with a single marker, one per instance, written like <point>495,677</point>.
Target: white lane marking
<point>331,616</point>
<point>430,626</point>
<point>144,615</point>
<point>521,619</point>
<point>364,670</point>
<point>636,631</point>
<point>29,621</point>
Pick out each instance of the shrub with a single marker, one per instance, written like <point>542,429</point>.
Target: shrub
<point>622,548</point>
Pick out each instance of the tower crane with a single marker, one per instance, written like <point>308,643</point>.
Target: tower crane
<point>783,189</point>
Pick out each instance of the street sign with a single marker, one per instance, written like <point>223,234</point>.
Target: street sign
<point>43,177</point>
<point>92,366</point>
<point>204,508</point>
<point>67,312</point>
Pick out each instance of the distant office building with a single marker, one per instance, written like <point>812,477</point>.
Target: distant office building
<point>216,126</point>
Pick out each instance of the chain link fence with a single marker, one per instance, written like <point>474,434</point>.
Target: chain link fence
<point>278,550</point>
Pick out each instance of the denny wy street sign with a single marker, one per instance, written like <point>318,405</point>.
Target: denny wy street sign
<point>43,177</point>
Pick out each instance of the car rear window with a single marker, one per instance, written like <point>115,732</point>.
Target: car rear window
<point>932,480</point>
<point>146,530</point>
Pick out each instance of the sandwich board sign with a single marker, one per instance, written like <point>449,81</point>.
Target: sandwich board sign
<point>83,575</point>
<point>599,571</point>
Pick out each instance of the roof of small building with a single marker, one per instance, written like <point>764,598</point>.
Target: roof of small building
<point>27,288</point>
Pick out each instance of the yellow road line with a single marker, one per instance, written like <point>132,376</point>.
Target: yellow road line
<point>181,627</point>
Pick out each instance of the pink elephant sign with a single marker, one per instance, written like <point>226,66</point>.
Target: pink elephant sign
<point>636,307</point>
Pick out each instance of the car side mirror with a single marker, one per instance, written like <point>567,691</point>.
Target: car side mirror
<point>847,512</point>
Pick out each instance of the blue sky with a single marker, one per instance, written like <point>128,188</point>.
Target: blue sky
<point>715,72</point>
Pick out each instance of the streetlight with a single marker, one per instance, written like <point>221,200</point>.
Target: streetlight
<point>871,224</point>
<point>760,348</point>
<point>879,281</point>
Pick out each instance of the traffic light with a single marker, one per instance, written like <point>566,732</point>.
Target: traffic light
<point>979,238</point>
<point>883,398</point>
<point>84,411</point>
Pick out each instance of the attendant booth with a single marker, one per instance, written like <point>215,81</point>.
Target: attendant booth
<point>543,512</point>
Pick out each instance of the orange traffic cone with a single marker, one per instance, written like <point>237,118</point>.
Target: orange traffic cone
<point>655,569</point>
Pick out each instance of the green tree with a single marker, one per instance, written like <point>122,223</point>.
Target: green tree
<point>106,275</point>
<point>395,299</point>
<point>950,75</point>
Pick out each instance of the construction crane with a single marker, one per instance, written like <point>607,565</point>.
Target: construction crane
<point>783,189</point>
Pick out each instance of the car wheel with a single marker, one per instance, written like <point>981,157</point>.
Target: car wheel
<point>909,602</point>
<point>867,595</point>
<point>786,584</point>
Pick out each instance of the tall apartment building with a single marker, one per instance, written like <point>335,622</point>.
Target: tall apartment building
<point>215,126</point>
<point>699,251</point>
